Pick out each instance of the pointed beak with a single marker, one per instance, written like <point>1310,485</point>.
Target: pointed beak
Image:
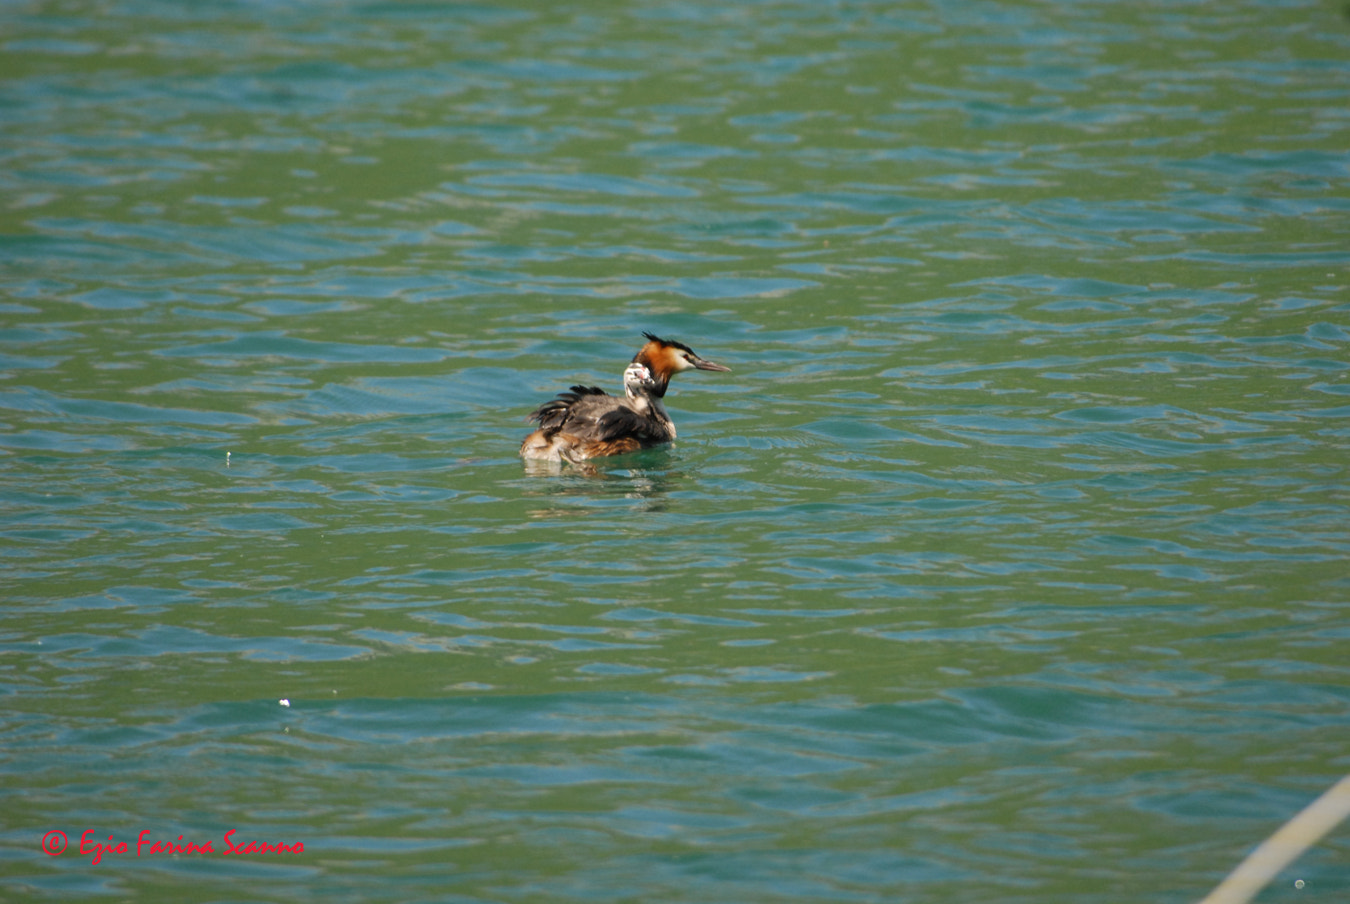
<point>709,365</point>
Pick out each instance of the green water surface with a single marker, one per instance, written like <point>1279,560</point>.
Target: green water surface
<point>1009,564</point>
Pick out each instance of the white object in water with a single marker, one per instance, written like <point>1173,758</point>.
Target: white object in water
<point>1284,847</point>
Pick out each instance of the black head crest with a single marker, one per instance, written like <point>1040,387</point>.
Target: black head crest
<point>667,342</point>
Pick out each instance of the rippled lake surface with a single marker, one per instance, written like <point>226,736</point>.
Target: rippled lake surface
<point>1009,564</point>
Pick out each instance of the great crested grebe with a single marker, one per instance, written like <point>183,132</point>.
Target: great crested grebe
<point>589,422</point>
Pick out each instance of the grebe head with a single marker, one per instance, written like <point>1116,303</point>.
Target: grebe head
<point>665,358</point>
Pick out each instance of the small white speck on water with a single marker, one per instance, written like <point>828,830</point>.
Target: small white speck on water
<point>1298,883</point>
<point>284,702</point>
<point>227,459</point>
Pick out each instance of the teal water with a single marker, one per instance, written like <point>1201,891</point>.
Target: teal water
<point>1008,565</point>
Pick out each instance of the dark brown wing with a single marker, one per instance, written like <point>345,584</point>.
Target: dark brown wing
<point>590,416</point>
<point>627,423</point>
<point>554,414</point>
